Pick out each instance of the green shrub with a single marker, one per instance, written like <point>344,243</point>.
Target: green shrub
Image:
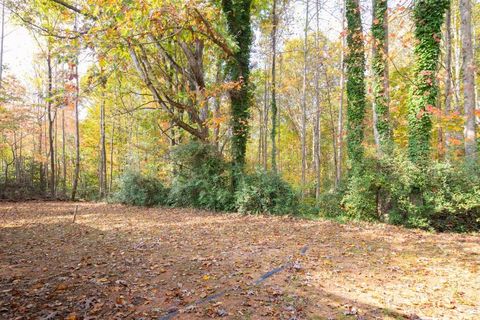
<point>265,192</point>
<point>201,178</point>
<point>441,197</point>
<point>359,200</point>
<point>136,189</point>
<point>453,197</point>
<point>329,204</point>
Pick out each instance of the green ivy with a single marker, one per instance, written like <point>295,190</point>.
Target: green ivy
<point>355,63</point>
<point>238,13</point>
<point>379,68</point>
<point>428,16</point>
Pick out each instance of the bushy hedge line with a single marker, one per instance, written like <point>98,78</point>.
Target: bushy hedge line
<point>202,179</point>
<point>265,192</point>
<point>391,189</point>
<point>139,190</point>
<point>441,196</point>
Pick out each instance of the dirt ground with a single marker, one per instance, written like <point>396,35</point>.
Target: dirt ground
<point>119,262</point>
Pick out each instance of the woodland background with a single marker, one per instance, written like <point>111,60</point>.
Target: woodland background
<point>251,106</point>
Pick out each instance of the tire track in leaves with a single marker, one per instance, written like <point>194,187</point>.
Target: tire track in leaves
<point>173,312</point>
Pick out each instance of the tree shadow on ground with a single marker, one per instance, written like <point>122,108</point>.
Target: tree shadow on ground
<point>125,262</point>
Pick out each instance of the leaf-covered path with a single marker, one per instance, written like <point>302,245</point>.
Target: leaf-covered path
<point>118,262</point>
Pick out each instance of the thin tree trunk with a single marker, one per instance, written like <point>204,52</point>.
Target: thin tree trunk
<point>265,123</point>
<point>77,133</point>
<point>111,157</point>
<point>274,87</point>
<point>103,152</point>
<point>338,167</point>
<point>1,43</point>
<point>448,78</point>
<point>376,135</point>
<point>64,156</point>
<point>51,119</point>
<point>332,121</point>
<point>260,135</point>
<point>216,108</point>
<point>304,101</point>
<point>40,154</point>
<point>468,80</point>
<point>280,73</point>
<point>318,111</point>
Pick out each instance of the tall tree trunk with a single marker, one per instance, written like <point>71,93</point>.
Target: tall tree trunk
<point>40,153</point>
<point>332,121</point>
<point>280,74</point>
<point>428,17</point>
<point>457,136</point>
<point>103,152</point>
<point>77,133</point>
<point>356,103</point>
<point>274,86</point>
<point>64,156</point>
<point>448,78</point>
<point>304,100</point>
<point>468,80</point>
<point>239,26</point>
<point>2,37</point>
<point>265,122</point>
<point>216,107</point>
<point>51,119</point>
<point>111,157</point>
<point>318,111</point>
<point>339,142</point>
<point>57,153</point>
<point>382,131</point>
<point>260,134</point>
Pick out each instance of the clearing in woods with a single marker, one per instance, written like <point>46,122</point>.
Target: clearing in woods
<point>119,262</point>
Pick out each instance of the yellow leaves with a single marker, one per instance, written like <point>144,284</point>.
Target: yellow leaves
<point>72,316</point>
<point>61,287</point>
<point>102,61</point>
<point>216,121</point>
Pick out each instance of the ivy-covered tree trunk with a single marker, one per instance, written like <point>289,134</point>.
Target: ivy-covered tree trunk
<point>380,75</point>
<point>355,63</point>
<point>428,16</point>
<point>239,26</point>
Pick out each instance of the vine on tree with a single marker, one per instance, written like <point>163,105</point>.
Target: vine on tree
<point>428,16</point>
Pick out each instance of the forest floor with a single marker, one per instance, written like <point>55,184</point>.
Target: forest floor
<point>120,262</point>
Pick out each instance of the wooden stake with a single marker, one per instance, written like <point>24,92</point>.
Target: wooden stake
<point>75,213</point>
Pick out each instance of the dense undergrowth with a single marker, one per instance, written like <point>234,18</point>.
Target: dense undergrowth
<point>392,189</point>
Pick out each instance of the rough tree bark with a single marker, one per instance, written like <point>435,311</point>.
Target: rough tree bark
<point>339,137</point>
<point>304,100</point>
<point>468,68</point>
<point>103,151</point>
<point>274,86</point>
<point>318,110</point>
<point>64,157</point>
<point>356,104</point>
<point>448,78</point>
<point>51,114</point>
<point>77,132</point>
<point>382,131</point>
